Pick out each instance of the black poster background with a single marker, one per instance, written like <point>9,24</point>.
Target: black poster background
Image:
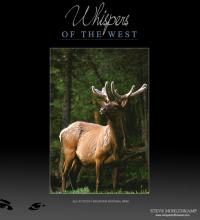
<point>28,31</point>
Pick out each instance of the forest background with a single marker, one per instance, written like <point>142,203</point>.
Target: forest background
<point>72,73</point>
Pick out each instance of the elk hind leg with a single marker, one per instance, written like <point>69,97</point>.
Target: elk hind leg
<point>74,171</point>
<point>68,160</point>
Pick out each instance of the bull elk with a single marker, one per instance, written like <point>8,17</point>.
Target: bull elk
<point>86,143</point>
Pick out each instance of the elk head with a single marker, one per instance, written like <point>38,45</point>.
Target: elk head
<point>112,106</point>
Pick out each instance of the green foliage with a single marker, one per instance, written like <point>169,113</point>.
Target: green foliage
<point>86,190</point>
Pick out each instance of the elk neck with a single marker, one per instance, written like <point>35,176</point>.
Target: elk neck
<point>117,132</point>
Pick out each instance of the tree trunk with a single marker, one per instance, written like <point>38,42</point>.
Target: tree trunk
<point>95,113</point>
<point>145,119</point>
<point>146,141</point>
<point>93,66</point>
<point>67,88</point>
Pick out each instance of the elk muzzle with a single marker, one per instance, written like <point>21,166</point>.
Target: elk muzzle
<point>103,110</point>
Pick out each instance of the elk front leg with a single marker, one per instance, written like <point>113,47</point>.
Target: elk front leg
<point>114,177</point>
<point>98,173</point>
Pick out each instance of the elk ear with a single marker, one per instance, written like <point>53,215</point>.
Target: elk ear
<point>124,102</point>
<point>101,103</point>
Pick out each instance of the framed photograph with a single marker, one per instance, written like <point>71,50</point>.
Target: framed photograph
<point>99,135</point>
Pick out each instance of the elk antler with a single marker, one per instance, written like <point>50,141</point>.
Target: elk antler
<point>103,93</point>
<point>140,90</point>
<point>119,97</point>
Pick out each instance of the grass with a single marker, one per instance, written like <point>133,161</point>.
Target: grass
<point>86,190</point>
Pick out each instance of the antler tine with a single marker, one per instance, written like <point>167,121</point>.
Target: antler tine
<point>130,92</point>
<point>117,95</point>
<point>104,90</point>
<point>103,93</point>
<point>140,90</point>
<point>114,91</point>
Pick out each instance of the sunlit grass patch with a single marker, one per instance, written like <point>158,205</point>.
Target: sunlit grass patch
<point>86,190</point>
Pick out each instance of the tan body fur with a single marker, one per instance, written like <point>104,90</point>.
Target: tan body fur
<point>88,141</point>
<point>91,143</point>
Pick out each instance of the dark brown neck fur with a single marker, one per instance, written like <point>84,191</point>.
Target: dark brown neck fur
<point>117,131</point>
